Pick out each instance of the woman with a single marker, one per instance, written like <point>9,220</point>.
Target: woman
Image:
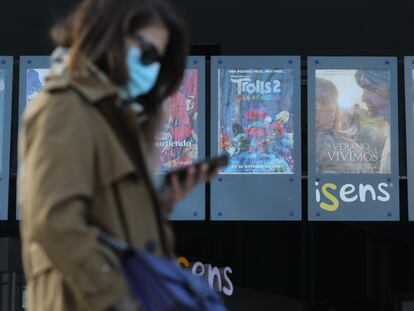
<point>84,151</point>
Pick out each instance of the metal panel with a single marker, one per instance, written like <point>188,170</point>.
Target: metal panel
<point>353,139</point>
<point>193,206</point>
<point>409,112</point>
<point>32,72</point>
<point>255,118</point>
<point>6,81</point>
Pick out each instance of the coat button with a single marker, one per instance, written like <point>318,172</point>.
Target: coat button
<point>105,268</point>
<point>151,246</point>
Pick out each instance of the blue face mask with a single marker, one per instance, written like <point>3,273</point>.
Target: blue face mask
<point>142,78</point>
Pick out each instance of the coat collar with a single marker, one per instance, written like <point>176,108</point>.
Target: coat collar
<point>94,87</point>
<point>88,84</point>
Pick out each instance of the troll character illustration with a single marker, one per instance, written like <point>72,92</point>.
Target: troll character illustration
<point>225,141</point>
<point>280,121</point>
<point>241,139</point>
<point>257,130</point>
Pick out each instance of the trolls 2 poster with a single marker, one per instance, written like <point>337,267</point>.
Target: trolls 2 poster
<point>256,120</point>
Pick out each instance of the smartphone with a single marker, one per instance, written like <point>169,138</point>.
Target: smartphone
<point>213,164</point>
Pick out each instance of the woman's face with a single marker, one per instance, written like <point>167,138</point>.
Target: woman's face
<point>156,34</point>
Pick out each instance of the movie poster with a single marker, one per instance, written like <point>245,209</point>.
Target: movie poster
<point>178,141</point>
<point>2,91</point>
<point>353,121</point>
<point>35,82</point>
<point>256,120</point>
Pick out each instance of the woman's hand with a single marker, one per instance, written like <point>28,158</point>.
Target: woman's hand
<point>173,190</point>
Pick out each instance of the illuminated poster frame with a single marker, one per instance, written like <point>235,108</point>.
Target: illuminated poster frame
<point>26,63</point>
<point>193,206</point>
<point>350,196</point>
<point>409,112</point>
<point>6,65</point>
<point>267,193</point>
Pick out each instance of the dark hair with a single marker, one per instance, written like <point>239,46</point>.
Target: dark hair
<point>97,31</point>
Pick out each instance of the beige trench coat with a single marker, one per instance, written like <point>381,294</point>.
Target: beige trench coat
<point>70,162</point>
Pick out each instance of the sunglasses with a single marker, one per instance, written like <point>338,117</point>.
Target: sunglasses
<point>150,53</point>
